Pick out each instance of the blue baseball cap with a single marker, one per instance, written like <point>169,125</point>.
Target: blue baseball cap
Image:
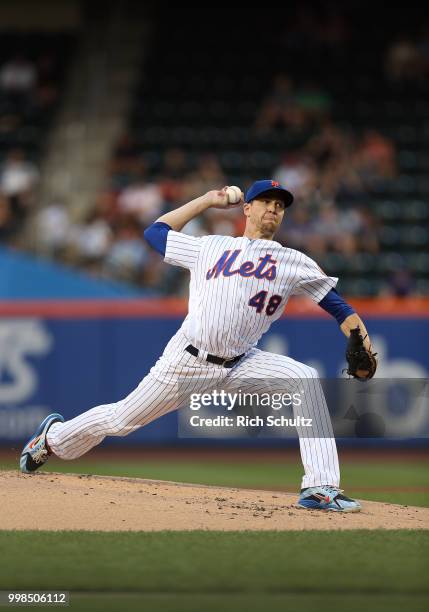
<point>269,187</point>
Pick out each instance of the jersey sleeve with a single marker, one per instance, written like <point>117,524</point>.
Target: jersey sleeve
<point>182,250</point>
<point>312,281</point>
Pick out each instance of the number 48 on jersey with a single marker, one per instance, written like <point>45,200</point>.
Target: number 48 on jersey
<point>259,299</point>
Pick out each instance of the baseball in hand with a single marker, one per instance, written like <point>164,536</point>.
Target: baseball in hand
<point>234,194</point>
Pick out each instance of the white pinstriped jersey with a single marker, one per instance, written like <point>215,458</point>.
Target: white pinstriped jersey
<point>239,286</point>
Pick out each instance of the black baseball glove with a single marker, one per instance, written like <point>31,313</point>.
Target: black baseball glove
<point>362,363</point>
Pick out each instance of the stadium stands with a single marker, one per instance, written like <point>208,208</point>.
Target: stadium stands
<point>345,124</point>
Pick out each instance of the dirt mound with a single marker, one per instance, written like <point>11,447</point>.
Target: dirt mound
<point>70,501</point>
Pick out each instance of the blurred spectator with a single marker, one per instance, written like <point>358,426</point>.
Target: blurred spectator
<point>298,173</point>
<point>89,242</point>
<point>53,226</point>
<point>18,79</point>
<point>298,227</point>
<point>127,254</point>
<point>404,61</point>
<point>17,76</point>
<point>17,175</point>
<point>376,156</point>
<point>328,223</point>
<point>142,199</point>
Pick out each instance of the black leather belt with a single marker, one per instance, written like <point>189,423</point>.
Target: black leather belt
<point>226,363</point>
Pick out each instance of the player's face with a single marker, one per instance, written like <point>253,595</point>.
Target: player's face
<point>265,213</point>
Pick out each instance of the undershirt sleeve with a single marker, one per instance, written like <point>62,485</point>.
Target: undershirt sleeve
<point>336,306</point>
<point>156,235</point>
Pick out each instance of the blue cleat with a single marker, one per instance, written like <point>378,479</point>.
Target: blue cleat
<point>35,452</point>
<point>327,497</point>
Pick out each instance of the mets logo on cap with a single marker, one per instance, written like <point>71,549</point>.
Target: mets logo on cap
<point>266,186</point>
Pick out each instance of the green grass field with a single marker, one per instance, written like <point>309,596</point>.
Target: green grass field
<point>207,571</point>
<point>223,566</point>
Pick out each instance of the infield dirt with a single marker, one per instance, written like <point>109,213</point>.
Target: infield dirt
<point>53,501</point>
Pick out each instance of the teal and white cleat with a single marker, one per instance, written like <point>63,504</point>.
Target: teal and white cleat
<point>327,497</point>
<point>35,452</point>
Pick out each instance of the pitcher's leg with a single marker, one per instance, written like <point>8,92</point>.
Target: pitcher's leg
<point>149,400</point>
<point>320,460</point>
<point>317,443</point>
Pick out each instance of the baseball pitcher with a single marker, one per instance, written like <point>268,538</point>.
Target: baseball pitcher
<point>238,287</point>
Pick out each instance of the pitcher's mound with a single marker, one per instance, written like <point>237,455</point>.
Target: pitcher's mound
<point>99,503</point>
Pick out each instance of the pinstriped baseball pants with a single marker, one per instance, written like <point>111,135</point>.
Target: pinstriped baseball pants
<point>176,375</point>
